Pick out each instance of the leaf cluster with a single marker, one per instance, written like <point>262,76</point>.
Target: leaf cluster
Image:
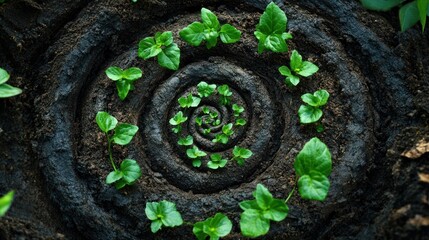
<point>163,213</point>
<point>213,227</point>
<point>225,94</point>
<point>209,31</point>
<point>195,154</point>
<point>124,79</point>
<point>255,220</point>
<point>297,68</point>
<point>313,164</point>
<point>177,121</point>
<point>7,90</point>
<point>409,13</point>
<point>162,47</point>
<point>240,154</point>
<point>189,101</point>
<point>311,112</point>
<point>223,137</point>
<point>271,30</point>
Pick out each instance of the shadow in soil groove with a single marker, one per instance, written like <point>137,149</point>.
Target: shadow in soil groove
<point>364,71</point>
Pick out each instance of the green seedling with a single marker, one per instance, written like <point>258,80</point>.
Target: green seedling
<point>216,161</point>
<point>177,121</point>
<point>225,94</point>
<point>162,47</point>
<point>255,220</point>
<point>6,202</point>
<point>206,110</point>
<point>7,90</point>
<point>313,164</point>
<point>207,131</point>
<point>162,213</point>
<point>311,113</point>
<point>199,121</point>
<point>240,154</point>
<point>240,122</point>
<point>271,30</point>
<point>195,154</point>
<point>213,227</point>
<point>213,115</point>
<point>122,134</point>
<point>216,122</point>
<point>187,141</point>
<point>205,89</point>
<point>237,109</point>
<point>189,101</point>
<point>409,14</point>
<point>224,136</point>
<point>297,68</point>
<point>124,79</point>
<point>209,30</point>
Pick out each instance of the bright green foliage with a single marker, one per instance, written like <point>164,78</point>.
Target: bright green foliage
<point>187,141</point>
<point>271,30</point>
<point>213,227</point>
<point>225,94</point>
<point>206,110</point>
<point>255,220</point>
<point>297,68</point>
<point>240,122</point>
<point>209,30</point>
<point>6,202</point>
<point>199,121</point>
<point>124,79</point>
<point>162,213</point>
<point>409,14</point>
<point>240,154</point>
<point>312,113</point>
<point>216,161</point>
<point>127,174</point>
<point>7,90</point>
<point>177,120</point>
<point>205,89</point>
<point>129,171</point>
<point>226,133</point>
<point>313,164</point>
<point>237,109</point>
<point>189,101</point>
<point>163,47</point>
<point>195,154</point>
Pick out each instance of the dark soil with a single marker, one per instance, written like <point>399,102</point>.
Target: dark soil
<point>54,156</point>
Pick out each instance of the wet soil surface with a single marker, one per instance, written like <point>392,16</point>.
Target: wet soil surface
<point>54,156</point>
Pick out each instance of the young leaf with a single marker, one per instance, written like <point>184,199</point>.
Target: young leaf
<point>188,141</point>
<point>199,121</point>
<point>7,90</point>
<point>229,34</point>
<point>161,214</point>
<point>4,76</point>
<point>189,101</point>
<point>317,99</point>
<point>148,48</point>
<point>313,164</point>
<point>205,89</point>
<point>308,69</point>
<point>422,5</point>
<point>123,88</point>
<point>253,224</point>
<point>195,152</point>
<point>308,114</point>
<point>221,138</point>
<point>105,121</point>
<point>193,33</point>
<point>290,78</point>
<point>164,39</point>
<point>6,202</point>
<point>114,73</point>
<point>240,122</point>
<point>271,28</point>
<point>209,19</point>
<point>124,133</point>
<point>131,171</point>
<point>132,74</point>
<point>408,15</point>
<point>214,227</point>
<point>227,129</point>
<point>170,57</point>
<point>216,161</point>
<point>114,176</point>
<point>237,109</point>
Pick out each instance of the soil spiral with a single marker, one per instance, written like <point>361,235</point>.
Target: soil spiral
<point>356,67</point>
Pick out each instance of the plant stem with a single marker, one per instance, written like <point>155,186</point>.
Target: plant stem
<point>290,194</point>
<point>109,148</point>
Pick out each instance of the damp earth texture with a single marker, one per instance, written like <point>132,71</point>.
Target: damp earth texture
<point>55,158</point>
